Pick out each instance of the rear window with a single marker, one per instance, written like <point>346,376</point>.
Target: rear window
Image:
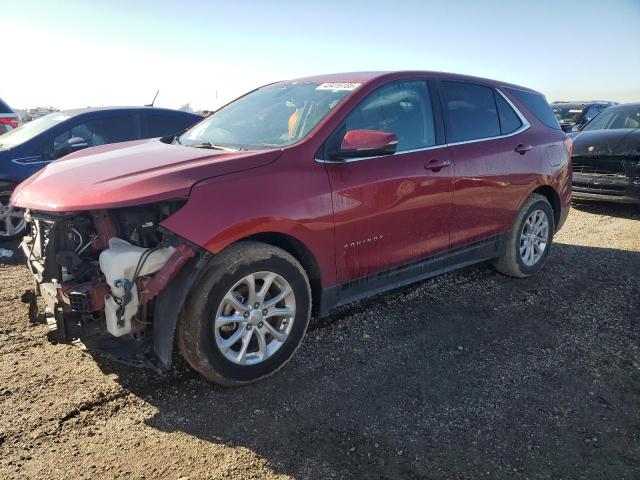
<point>471,111</point>
<point>4,108</point>
<point>567,113</point>
<point>163,125</point>
<point>538,106</point>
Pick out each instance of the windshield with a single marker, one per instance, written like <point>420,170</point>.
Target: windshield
<point>612,118</point>
<point>27,131</point>
<point>273,116</point>
<point>567,113</point>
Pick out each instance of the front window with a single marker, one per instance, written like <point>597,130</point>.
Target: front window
<point>567,114</point>
<point>274,116</point>
<point>99,131</point>
<point>612,118</point>
<point>591,112</point>
<point>402,108</point>
<point>27,131</point>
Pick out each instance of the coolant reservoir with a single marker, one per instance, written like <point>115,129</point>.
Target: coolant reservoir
<point>118,263</point>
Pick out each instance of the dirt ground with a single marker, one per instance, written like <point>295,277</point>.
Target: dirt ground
<point>468,375</point>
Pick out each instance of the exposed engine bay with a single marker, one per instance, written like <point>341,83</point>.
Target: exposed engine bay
<point>99,272</point>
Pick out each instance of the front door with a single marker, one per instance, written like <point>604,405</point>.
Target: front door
<point>390,210</point>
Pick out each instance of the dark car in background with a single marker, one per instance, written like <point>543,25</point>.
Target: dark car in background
<point>8,118</point>
<point>573,115</point>
<point>27,149</point>
<point>606,156</point>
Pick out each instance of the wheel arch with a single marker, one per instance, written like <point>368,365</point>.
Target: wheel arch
<point>171,300</point>
<point>553,197</point>
<point>301,252</point>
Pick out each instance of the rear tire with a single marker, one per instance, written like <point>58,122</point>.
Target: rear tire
<point>233,333</point>
<point>528,243</point>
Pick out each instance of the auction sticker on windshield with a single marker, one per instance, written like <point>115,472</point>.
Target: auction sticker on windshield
<point>337,86</point>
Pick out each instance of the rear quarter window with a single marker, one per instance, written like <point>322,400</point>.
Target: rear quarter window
<point>509,120</point>
<point>537,105</point>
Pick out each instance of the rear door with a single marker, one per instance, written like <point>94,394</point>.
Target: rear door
<point>494,155</point>
<point>392,209</point>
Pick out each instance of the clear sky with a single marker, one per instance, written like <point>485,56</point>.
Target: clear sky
<point>76,54</point>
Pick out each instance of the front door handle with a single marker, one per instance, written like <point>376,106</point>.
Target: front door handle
<point>522,149</point>
<point>435,165</point>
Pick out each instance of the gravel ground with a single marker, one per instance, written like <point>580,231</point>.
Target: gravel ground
<point>468,375</point>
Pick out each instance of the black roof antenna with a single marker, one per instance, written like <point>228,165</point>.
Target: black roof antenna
<point>154,99</point>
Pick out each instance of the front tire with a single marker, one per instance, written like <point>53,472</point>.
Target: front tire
<point>528,242</point>
<point>12,224</point>
<point>247,315</point>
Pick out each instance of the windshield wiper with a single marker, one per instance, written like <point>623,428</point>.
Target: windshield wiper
<point>213,146</point>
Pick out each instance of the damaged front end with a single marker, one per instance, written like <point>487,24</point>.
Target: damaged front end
<point>108,278</point>
<point>607,177</point>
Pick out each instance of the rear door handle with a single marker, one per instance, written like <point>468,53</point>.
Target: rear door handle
<point>435,165</point>
<point>522,149</point>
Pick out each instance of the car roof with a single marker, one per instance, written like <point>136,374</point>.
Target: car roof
<point>631,104</point>
<point>582,104</point>
<point>366,77</point>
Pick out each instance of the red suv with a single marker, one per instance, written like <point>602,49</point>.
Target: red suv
<point>295,198</point>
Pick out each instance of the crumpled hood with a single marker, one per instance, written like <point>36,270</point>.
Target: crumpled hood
<point>129,173</point>
<point>624,141</point>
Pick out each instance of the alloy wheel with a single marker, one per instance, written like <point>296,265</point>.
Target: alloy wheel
<point>11,219</point>
<point>255,318</point>
<point>534,237</point>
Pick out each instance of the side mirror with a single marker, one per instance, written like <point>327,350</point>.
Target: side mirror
<point>366,143</point>
<point>72,145</point>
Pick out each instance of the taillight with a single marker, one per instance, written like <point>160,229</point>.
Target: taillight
<point>13,122</point>
<point>568,144</point>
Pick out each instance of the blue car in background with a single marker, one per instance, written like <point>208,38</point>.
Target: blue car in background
<point>30,147</point>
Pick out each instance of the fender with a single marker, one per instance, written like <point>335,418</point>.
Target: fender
<point>169,304</point>
<point>562,197</point>
<point>295,202</point>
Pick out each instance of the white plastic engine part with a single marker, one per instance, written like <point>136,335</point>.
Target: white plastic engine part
<point>118,263</point>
